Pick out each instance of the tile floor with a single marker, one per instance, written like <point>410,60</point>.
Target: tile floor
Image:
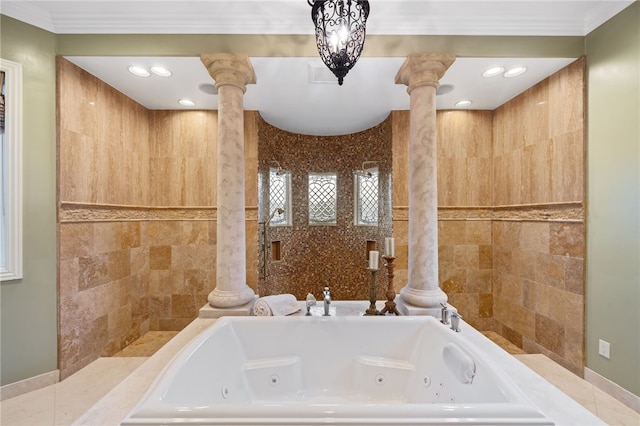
<point>64,402</point>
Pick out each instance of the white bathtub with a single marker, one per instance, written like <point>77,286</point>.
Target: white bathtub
<point>331,370</point>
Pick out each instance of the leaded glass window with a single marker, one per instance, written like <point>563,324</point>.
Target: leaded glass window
<point>366,198</point>
<point>280,196</point>
<point>322,198</point>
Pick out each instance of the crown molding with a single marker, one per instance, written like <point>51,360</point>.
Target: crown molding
<point>388,17</point>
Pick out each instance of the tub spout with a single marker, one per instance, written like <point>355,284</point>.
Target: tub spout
<point>327,301</point>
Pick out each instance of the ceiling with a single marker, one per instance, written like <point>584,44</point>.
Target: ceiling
<point>299,94</point>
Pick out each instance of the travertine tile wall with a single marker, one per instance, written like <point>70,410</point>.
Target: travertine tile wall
<point>137,231</point>
<point>538,238</point>
<point>137,215</point>
<point>511,214</point>
<point>465,253</point>
<point>103,269</point>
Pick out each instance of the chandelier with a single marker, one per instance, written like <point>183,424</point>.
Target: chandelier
<point>340,32</point>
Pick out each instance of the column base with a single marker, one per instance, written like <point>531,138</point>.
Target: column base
<point>230,299</point>
<point>423,298</point>
<point>208,311</point>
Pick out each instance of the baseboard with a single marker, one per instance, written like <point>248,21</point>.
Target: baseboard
<point>28,385</point>
<point>618,392</point>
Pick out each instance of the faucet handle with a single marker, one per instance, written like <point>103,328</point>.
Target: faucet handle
<point>455,321</point>
<point>311,300</point>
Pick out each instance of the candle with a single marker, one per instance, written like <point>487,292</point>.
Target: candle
<point>373,260</point>
<point>389,247</point>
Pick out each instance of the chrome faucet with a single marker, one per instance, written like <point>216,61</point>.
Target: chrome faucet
<point>327,301</point>
<point>311,301</point>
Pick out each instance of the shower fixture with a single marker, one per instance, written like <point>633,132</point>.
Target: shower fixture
<point>280,170</point>
<point>278,210</point>
<point>365,171</point>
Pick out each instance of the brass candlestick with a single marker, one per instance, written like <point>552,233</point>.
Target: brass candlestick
<point>390,305</point>
<point>372,295</point>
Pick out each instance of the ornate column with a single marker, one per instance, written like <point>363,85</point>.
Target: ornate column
<point>421,73</point>
<point>231,72</point>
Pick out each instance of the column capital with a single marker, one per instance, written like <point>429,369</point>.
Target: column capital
<point>424,69</point>
<point>229,69</point>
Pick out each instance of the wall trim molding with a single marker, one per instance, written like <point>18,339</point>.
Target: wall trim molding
<point>29,384</point>
<point>615,390</point>
<point>75,212</point>
<point>568,212</point>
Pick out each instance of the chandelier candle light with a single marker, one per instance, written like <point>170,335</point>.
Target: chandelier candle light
<point>340,32</point>
<point>389,257</point>
<point>373,268</point>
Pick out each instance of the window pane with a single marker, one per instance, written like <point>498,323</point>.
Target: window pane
<point>367,198</point>
<point>322,198</point>
<point>279,196</point>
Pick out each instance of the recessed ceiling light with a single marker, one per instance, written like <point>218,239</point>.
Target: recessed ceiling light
<point>139,71</point>
<point>186,102</point>
<point>443,89</point>
<point>514,72</point>
<point>161,71</point>
<point>208,88</point>
<point>492,72</point>
<point>463,103</point>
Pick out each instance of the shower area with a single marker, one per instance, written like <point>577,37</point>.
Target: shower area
<point>312,232</point>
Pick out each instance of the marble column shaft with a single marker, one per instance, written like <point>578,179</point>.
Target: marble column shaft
<point>231,72</point>
<point>421,73</point>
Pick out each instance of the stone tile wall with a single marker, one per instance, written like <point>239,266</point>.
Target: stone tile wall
<point>137,230</point>
<point>335,255</point>
<point>511,214</point>
<point>137,217</point>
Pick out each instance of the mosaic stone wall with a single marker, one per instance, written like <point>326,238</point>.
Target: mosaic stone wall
<point>334,255</point>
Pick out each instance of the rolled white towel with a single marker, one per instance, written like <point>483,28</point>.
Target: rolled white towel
<point>276,305</point>
<point>460,364</point>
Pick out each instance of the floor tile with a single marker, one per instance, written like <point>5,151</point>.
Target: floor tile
<point>30,409</point>
<point>613,411</point>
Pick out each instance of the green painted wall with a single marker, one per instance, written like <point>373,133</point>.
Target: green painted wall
<point>613,198</point>
<point>28,324</point>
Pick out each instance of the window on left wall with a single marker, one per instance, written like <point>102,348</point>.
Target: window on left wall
<point>11,188</point>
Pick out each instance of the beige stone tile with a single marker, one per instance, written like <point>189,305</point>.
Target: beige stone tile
<point>479,281</point>
<point>485,305</point>
<point>193,256</point>
<point>574,275</point>
<point>76,240</point>
<point>534,237</point>
<point>77,393</point>
<point>160,257</point>
<point>478,232</point>
<point>549,334</point>
<point>613,411</point>
<point>578,389</point>
<point>536,158</point>
<point>550,270</point>
<point>452,232</point>
<point>466,256</point>
<point>33,408</point>
<point>485,257</point>
<point>567,239</point>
